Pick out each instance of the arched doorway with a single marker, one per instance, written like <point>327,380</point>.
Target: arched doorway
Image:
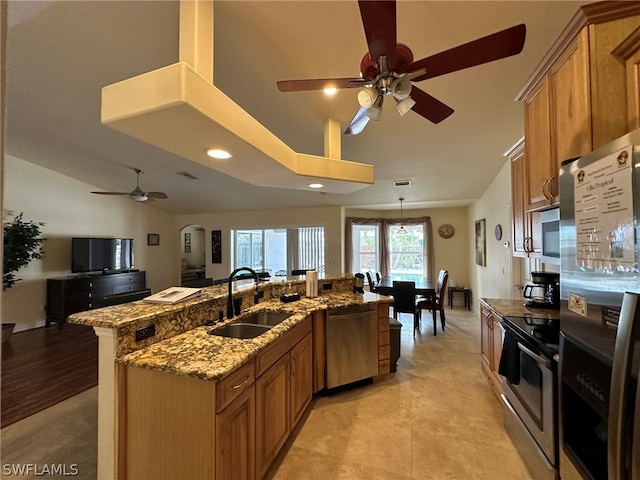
<point>192,253</point>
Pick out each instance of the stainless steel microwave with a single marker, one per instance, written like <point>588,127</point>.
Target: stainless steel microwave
<point>550,220</point>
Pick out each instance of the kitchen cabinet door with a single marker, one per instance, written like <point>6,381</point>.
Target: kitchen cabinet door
<point>570,104</point>
<point>235,438</point>
<point>537,126</point>
<point>491,335</point>
<point>301,378</point>
<point>272,417</point>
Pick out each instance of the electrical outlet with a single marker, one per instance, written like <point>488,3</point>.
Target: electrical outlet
<point>145,332</point>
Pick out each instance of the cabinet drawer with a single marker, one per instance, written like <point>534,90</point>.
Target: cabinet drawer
<point>231,386</point>
<point>384,367</point>
<point>383,323</point>
<point>383,338</point>
<point>384,352</point>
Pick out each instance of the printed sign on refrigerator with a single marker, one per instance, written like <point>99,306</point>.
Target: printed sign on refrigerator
<point>604,214</point>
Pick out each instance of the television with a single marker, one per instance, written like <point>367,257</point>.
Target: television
<point>101,254</point>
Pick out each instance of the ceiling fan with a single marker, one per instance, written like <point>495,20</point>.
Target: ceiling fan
<point>388,67</point>
<point>137,194</point>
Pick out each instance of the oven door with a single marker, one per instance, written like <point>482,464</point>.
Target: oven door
<point>532,396</point>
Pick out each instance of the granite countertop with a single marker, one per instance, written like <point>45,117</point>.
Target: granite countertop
<point>516,308</point>
<point>197,354</point>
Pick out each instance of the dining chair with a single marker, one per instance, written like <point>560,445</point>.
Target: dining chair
<point>298,272</point>
<point>436,303</point>
<point>372,285</point>
<point>378,277</point>
<point>404,301</point>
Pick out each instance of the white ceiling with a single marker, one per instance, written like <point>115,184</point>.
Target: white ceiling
<point>60,54</point>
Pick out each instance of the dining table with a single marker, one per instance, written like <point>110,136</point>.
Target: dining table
<point>424,286</point>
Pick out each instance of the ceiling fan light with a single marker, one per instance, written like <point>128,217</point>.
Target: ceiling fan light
<point>139,198</point>
<point>375,110</point>
<point>330,91</point>
<point>367,97</point>
<point>401,87</point>
<point>405,105</point>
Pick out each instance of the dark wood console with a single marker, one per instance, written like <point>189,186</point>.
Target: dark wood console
<point>67,295</point>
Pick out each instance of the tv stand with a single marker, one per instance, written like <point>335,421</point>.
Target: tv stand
<point>67,295</point>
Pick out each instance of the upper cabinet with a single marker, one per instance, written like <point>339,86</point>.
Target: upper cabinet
<point>629,52</point>
<point>577,98</point>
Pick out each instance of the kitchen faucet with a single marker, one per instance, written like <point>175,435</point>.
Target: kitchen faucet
<point>230,297</point>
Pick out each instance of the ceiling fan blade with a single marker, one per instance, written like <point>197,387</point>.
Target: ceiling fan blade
<point>358,123</point>
<point>379,21</point>
<point>157,195</point>
<point>483,50</point>
<point>111,193</point>
<point>317,84</point>
<point>429,107</point>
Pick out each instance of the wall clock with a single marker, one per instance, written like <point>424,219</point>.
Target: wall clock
<point>446,231</point>
<point>498,232</point>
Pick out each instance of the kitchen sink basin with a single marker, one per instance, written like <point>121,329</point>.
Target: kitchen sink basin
<point>240,330</point>
<point>265,317</point>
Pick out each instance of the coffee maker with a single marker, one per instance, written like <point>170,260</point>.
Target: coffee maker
<point>547,287</point>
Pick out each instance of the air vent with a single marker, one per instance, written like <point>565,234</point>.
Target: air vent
<point>188,175</point>
<point>402,183</point>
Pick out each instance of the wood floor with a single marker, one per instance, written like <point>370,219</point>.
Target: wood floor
<point>43,366</point>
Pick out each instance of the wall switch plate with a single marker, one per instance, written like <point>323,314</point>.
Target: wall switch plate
<point>145,332</point>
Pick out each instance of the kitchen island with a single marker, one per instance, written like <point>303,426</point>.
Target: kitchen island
<point>181,357</point>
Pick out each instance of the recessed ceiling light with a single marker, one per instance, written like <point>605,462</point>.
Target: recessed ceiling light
<point>316,185</point>
<point>330,91</point>
<point>218,153</point>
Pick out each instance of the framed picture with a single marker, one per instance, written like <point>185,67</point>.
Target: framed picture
<point>481,242</point>
<point>187,243</point>
<point>216,246</point>
<point>153,239</point>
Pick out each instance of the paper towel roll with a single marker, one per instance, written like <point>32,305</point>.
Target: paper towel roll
<point>312,283</point>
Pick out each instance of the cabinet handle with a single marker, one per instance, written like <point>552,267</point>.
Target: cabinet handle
<point>551,194</point>
<point>235,387</point>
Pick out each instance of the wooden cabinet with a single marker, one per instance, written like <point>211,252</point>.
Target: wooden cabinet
<point>284,388</point>
<point>629,52</point>
<point>526,230</point>
<point>491,337</point>
<point>384,340</point>
<point>576,99</point>
<point>69,295</point>
<point>301,378</point>
<point>235,438</point>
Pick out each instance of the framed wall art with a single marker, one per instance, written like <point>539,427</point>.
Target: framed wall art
<point>216,246</point>
<point>153,239</point>
<point>187,242</point>
<point>481,242</point>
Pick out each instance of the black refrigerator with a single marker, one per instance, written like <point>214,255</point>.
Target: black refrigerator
<point>599,402</point>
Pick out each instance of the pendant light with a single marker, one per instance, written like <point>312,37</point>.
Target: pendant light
<point>401,230</point>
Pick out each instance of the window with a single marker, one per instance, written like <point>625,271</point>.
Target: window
<point>406,251</point>
<point>366,251</point>
<point>279,249</point>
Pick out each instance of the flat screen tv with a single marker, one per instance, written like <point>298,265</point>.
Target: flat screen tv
<point>101,254</point>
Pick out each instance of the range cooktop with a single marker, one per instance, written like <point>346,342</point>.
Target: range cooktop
<point>543,332</point>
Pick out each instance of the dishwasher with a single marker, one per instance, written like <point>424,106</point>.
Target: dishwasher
<point>352,344</point>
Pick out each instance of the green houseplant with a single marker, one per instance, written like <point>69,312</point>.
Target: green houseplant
<point>22,243</point>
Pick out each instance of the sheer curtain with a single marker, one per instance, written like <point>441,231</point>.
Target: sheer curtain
<point>384,224</point>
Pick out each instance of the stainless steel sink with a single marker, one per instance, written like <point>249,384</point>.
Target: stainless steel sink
<point>240,330</point>
<point>265,317</point>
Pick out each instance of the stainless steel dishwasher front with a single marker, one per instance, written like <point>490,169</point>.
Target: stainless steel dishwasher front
<point>352,344</point>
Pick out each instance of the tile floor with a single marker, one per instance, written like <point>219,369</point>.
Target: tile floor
<point>435,418</point>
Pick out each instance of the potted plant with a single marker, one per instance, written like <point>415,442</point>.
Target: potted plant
<point>22,243</point>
